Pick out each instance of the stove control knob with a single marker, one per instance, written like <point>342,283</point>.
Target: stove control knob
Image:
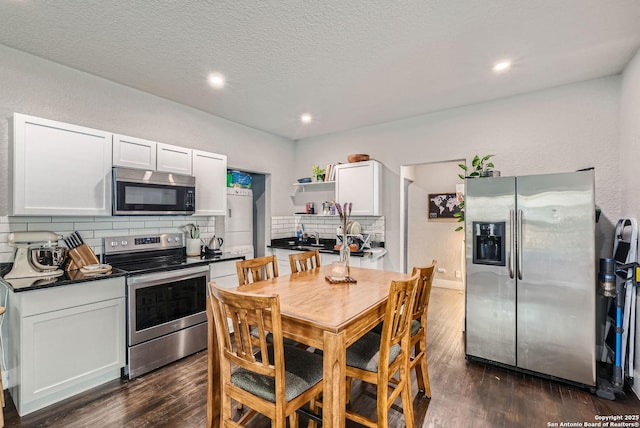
<point>114,244</point>
<point>124,243</point>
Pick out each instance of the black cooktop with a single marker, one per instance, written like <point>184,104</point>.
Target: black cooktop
<point>157,261</point>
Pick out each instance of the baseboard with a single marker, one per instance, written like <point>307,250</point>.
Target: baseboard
<point>445,283</point>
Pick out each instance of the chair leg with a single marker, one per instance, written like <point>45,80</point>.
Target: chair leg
<point>422,371</point>
<point>407,405</point>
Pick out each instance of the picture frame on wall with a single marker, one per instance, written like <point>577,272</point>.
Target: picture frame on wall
<point>443,206</point>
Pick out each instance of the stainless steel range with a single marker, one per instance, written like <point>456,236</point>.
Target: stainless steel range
<point>166,299</point>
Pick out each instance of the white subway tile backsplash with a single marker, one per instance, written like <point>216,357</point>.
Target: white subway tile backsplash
<point>53,227</point>
<point>30,219</point>
<point>94,226</point>
<point>285,226</point>
<point>94,229</point>
<point>158,223</point>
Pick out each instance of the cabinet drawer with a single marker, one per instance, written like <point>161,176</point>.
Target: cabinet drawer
<point>219,269</point>
<point>56,298</point>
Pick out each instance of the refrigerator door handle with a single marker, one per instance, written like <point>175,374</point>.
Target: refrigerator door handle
<point>512,249</point>
<point>520,239</point>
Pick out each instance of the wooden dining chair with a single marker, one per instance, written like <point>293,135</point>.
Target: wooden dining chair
<point>269,378</point>
<point>418,331</point>
<point>304,261</point>
<point>257,269</point>
<point>377,358</point>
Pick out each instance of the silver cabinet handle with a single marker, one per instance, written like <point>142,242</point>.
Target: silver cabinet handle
<point>520,241</point>
<point>512,249</point>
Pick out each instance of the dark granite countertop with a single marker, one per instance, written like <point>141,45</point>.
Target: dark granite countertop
<point>67,278</point>
<point>326,245</point>
<point>76,277</point>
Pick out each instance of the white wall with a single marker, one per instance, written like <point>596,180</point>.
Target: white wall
<point>42,88</point>
<point>560,129</point>
<point>434,239</point>
<point>629,163</point>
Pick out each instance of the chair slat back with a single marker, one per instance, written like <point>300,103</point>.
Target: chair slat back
<point>398,316</point>
<point>304,261</point>
<point>258,269</point>
<point>423,291</point>
<point>253,316</point>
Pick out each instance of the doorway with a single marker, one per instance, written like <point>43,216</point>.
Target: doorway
<point>425,239</point>
<point>261,212</point>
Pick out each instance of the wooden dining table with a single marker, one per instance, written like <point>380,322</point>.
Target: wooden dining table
<point>325,316</point>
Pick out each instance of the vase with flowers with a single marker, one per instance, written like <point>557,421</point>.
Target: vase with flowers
<point>344,212</point>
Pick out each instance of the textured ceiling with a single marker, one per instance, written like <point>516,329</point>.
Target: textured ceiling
<point>349,63</point>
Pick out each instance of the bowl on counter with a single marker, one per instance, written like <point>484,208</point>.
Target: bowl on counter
<point>304,180</point>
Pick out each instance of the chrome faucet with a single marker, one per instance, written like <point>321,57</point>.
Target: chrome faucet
<point>316,235</point>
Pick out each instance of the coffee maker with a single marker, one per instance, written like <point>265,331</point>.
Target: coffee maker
<point>37,255</point>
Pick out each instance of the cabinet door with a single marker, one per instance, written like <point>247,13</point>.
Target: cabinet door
<point>284,267</point>
<point>359,183</point>
<point>60,169</point>
<point>173,159</point>
<point>133,152</point>
<point>210,170</point>
<point>63,350</point>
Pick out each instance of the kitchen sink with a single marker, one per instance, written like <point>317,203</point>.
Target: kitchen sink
<point>310,247</point>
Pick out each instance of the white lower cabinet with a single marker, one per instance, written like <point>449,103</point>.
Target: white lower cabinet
<point>284,268</point>
<point>224,273</point>
<point>282,256</point>
<point>64,340</point>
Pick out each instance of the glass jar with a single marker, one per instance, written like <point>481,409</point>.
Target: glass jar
<point>345,253</point>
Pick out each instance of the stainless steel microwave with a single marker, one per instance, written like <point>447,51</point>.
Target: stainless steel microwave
<point>140,192</point>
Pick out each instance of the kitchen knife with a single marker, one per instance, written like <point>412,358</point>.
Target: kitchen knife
<point>73,241</point>
<point>80,240</point>
<point>68,244</point>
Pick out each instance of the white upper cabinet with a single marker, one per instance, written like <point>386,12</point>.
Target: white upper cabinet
<point>210,171</point>
<point>60,169</point>
<point>174,159</point>
<point>359,183</point>
<point>134,152</point>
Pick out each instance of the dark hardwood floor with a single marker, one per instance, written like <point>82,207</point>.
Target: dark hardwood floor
<point>464,394</point>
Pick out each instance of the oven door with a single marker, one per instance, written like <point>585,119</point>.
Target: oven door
<point>163,302</point>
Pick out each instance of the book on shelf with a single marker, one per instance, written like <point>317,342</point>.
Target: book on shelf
<point>327,173</point>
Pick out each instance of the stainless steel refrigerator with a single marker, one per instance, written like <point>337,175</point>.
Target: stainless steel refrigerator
<point>530,265</point>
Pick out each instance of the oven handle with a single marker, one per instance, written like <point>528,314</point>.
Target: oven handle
<point>168,276</point>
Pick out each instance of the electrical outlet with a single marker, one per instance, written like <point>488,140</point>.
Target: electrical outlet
<point>442,270</point>
<point>458,274</point>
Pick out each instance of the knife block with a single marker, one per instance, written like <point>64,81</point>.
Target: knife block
<point>81,256</point>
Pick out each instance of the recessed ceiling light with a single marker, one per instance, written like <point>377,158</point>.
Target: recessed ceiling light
<point>306,118</point>
<point>502,66</point>
<point>216,80</point>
